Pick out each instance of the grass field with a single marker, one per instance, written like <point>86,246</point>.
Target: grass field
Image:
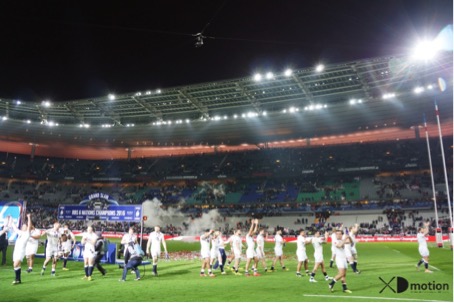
<point>179,280</point>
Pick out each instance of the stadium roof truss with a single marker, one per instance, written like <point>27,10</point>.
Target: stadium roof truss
<point>363,79</point>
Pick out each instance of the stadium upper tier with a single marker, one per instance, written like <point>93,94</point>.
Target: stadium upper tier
<point>303,103</point>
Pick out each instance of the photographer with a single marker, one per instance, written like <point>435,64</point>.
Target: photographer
<point>135,259</point>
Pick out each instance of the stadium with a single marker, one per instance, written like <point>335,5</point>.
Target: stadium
<point>365,142</point>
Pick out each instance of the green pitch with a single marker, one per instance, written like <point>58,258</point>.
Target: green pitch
<point>179,279</point>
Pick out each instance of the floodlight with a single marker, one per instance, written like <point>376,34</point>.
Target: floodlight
<point>288,72</point>
<point>257,77</point>
<point>4,118</point>
<point>235,116</point>
<point>187,120</point>
<point>28,121</point>
<point>319,68</point>
<point>425,50</point>
<point>418,90</point>
<point>264,113</point>
<point>291,109</point>
<point>158,91</point>
<point>430,86</point>
<point>18,102</point>
<point>269,75</point>
<point>111,97</point>
<point>45,103</point>
<point>352,101</point>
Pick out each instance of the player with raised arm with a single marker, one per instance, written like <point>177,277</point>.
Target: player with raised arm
<point>260,249</point>
<point>53,241</point>
<point>220,244</point>
<point>68,241</point>
<point>19,247</point>
<point>250,251</point>
<point>205,253</point>
<point>317,242</point>
<point>88,241</point>
<point>32,247</point>
<point>279,242</point>
<point>341,263</point>
<point>155,239</point>
<point>301,254</point>
<point>422,247</point>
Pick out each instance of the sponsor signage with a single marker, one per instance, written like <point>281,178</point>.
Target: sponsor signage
<point>109,213</point>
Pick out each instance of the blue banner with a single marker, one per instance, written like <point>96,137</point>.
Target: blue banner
<point>14,210</point>
<point>109,213</point>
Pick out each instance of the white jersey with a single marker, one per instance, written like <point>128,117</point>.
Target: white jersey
<point>236,242</point>
<point>156,238</point>
<point>127,238</point>
<point>317,244</point>
<point>421,240</point>
<point>214,244</point>
<point>21,243</point>
<point>278,241</point>
<point>53,238</point>
<point>333,240</point>
<point>34,233</point>
<point>301,243</point>
<point>89,244</point>
<point>220,243</point>
<point>340,252</point>
<point>205,243</point>
<point>250,242</point>
<point>260,242</point>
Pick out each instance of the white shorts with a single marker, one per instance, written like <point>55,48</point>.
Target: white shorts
<point>302,256</point>
<point>214,253</point>
<point>18,255</point>
<point>51,251</point>
<point>423,251</point>
<point>348,253</point>
<point>278,252</point>
<point>354,251</point>
<point>341,263</point>
<point>155,254</point>
<point>66,247</point>
<point>204,254</point>
<point>259,253</point>
<point>88,253</point>
<point>250,253</point>
<point>31,249</point>
<point>318,258</point>
<point>237,253</point>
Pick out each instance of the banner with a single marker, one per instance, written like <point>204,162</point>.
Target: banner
<point>109,213</point>
<point>14,210</point>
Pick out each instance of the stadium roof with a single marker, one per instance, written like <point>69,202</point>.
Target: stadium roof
<point>240,110</point>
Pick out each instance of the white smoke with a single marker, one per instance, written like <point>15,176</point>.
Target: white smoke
<point>173,215</point>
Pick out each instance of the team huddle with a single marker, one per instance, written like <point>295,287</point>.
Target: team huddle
<point>61,241</point>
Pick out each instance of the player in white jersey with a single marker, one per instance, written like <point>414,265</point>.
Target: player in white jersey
<point>350,251</point>
<point>237,245</point>
<point>88,241</point>
<point>260,249</point>
<point>422,247</point>
<point>53,241</point>
<point>231,256</point>
<point>317,242</point>
<point>219,254</point>
<point>341,263</point>
<point>67,245</point>
<point>32,247</point>
<point>205,252</point>
<point>19,247</point>
<point>279,242</point>
<point>251,254</point>
<point>333,248</point>
<point>155,239</point>
<point>128,238</point>
<point>301,254</point>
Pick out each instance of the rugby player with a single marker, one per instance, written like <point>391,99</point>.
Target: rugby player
<point>155,239</point>
<point>53,239</point>
<point>19,248</point>
<point>422,247</point>
<point>341,263</point>
<point>279,242</point>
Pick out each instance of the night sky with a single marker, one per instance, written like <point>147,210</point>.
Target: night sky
<point>64,50</point>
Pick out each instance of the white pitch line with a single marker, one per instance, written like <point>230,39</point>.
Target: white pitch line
<point>434,267</point>
<point>377,298</point>
<point>396,251</point>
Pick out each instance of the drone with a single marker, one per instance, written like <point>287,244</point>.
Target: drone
<point>199,39</point>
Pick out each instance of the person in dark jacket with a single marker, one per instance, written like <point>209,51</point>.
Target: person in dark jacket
<point>4,243</point>
<point>133,263</point>
<point>99,250</point>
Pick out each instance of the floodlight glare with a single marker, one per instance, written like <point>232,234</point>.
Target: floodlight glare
<point>28,121</point>
<point>4,118</point>
<point>425,50</point>
<point>18,102</point>
<point>418,90</point>
<point>352,101</point>
<point>45,103</point>
<point>264,113</point>
<point>257,77</point>
<point>291,109</point>
<point>430,86</point>
<point>158,91</point>
<point>288,72</point>
<point>319,68</point>
<point>269,75</point>
<point>111,97</point>
<point>235,116</point>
